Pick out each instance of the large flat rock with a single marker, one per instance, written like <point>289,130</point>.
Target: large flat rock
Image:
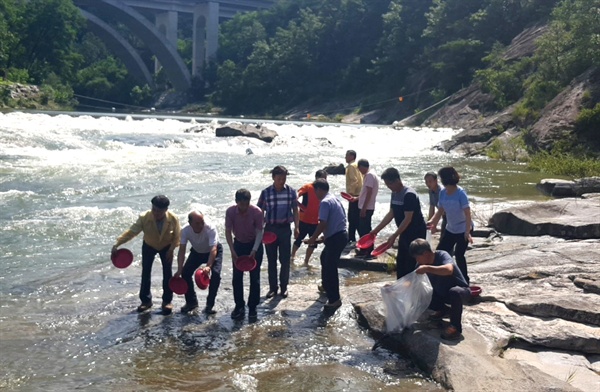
<point>566,218</point>
<point>532,329</point>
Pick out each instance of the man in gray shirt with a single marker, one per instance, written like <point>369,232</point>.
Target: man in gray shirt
<point>332,223</point>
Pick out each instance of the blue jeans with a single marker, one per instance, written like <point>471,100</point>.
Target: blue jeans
<point>243,249</point>
<point>193,262</point>
<point>148,255</point>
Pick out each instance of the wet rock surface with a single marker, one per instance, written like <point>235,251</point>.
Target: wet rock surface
<point>534,328</point>
<point>566,218</point>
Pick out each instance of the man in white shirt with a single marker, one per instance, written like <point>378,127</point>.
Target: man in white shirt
<point>366,202</point>
<point>205,249</point>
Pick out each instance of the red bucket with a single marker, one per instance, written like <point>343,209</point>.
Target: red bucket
<point>347,196</point>
<point>245,263</point>
<point>366,241</point>
<point>269,237</point>
<point>122,258</point>
<point>178,285</point>
<point>475,291</point>
<point>380,249</point>
<point>202,279</point>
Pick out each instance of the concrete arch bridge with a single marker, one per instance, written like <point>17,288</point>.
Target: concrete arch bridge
<point>154,22</point>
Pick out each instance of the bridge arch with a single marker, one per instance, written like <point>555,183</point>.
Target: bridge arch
<point>120,47</point>
<point>165,52</point>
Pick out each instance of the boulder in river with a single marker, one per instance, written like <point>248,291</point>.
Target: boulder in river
<point>566,188</point>
<point>247,130</point>
<point>334,169</point>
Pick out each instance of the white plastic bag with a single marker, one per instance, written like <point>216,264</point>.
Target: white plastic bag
<point>405,300</point>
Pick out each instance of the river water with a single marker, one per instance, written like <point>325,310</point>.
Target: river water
<point>69,185</point>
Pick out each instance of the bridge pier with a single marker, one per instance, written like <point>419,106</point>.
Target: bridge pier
<point>205,35</point>
<point>167,24</point>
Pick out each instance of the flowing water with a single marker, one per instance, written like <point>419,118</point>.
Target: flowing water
<point>69,185</point>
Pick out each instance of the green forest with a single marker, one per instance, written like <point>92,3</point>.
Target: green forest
<point>319,51</point>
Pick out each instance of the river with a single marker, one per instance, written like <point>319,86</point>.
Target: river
<point>70,184</point>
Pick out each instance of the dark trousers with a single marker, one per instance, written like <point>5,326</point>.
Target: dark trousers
<point>243,249</point>
<point>148,255</point>
<point>305,229</point>
<point>330,256</point>
<point>455,298</point>
<point>364,227</point>
<point>193,262</point>
<point>405,263</point>
<point>283,246</point>
<point>353,218</point>
<point>456,244</point>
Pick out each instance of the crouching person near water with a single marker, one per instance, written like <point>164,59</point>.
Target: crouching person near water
<point>205,249</point>
<point>449,285</point>
<point>161,235</point>
<point>332,223</point>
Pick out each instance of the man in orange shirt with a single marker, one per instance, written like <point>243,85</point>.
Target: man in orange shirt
<point>309,216</point>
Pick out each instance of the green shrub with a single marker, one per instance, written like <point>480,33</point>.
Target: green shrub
<point>588,123</point>
<point>566,164</point>
<point>17,75</point>
<point>506,149</point>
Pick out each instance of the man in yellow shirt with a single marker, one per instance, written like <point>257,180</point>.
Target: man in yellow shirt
<point>161,235</point>
<point>354,182</point>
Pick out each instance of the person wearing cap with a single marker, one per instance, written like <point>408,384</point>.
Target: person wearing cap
<point>366,203</point>
<point>309,216</point>
<point>448,283</point>
<point>405,210</point>
<point>245,222</point>
<point>332,223</point>
<point>280,207</point>
<point>161,235</point>
<point>354,181</point>
<point>205,249</point>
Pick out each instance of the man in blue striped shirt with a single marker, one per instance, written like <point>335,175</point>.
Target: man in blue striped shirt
<point>279,203</point>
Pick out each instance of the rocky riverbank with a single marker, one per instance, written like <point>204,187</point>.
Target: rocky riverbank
<point>536,326</point>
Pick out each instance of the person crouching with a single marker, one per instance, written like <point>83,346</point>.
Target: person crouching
<point>449,285</point>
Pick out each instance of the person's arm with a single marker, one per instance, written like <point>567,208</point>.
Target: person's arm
<point>384,222</point>
<point>176,239</point>
<point>180,259</point>
<point>408,215</point>
<point>442,270</point>
<point>257,241</point>
<point>296,221</point>
<point>432,223</point>
<point>129,234</point>
<point>431,211</point>
<point>368,194</point>
<point>320,229</point>
<point>469,224</point>
<point>211,259</point>
<point>229,238</point>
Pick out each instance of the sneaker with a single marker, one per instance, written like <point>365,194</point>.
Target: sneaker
<point>451,333</point>
<point>271,293</point>
<point>167,309</point>
<point>284,293</point>
<point>144,307</point>
<point>238,313</point>
<point>333,305</point>
<point>252,314</point>
<point>209,310</point>
<point>187,308</point>
<point>321,289</point>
